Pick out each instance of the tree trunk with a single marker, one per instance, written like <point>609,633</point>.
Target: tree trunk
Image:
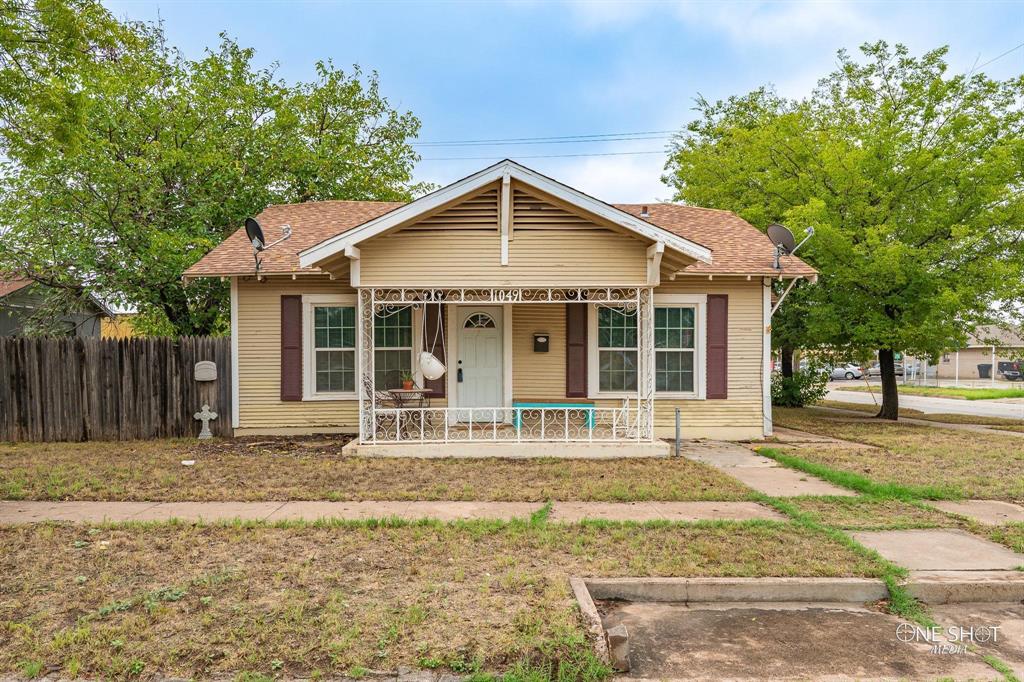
<point>787,360</point>
<point>890,394</point>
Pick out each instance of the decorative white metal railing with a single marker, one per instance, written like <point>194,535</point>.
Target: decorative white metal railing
<point>603,424</point>
<point>506,424</point>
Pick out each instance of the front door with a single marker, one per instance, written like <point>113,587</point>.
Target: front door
<point>479,366</point>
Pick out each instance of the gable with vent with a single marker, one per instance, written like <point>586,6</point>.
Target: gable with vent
<point>464,245</point>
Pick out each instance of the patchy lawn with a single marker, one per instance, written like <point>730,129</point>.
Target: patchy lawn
<point>959,393</point>
<point>304,600</point>
<point>865,513</point>
<point>1011,535</point>
<point>1002,423</point>
<point>963,463</point>
<point>315,469</point>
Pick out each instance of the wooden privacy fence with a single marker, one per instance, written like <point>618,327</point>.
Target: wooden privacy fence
<point>71,389</point>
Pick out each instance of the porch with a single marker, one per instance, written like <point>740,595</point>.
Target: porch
<point>514,373</point>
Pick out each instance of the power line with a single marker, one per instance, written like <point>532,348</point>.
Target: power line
<point>540,156</point>
<point>520,142</point>
<point>996,58</point>
<point>549,138</point>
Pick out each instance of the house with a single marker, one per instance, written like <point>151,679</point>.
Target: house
<point>21,298</point>
<point>560,317</point>
<point>988,345</point>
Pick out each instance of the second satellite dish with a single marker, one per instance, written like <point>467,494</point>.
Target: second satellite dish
<point>255,234</point>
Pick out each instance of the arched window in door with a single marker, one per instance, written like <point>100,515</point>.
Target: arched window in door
<point>479,321</point>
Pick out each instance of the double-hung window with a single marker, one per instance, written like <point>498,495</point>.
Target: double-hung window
<point>675,349</point>
<point>329,328</point>
<point>616,350</point>
<point>393,338</point>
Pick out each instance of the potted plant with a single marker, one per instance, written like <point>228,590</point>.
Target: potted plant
<point>407,381</point>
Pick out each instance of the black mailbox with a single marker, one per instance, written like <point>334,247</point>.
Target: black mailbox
<point>541,343</point>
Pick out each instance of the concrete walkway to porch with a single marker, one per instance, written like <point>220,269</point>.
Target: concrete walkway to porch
<point>757,472</point>
<point>95,512</point>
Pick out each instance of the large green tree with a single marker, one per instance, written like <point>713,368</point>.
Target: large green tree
<point>912,177</point>
<point>125,161</point>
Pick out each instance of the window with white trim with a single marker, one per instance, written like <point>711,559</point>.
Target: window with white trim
<point>329,357</point>
<point>393,339</point>
<point>616,350</point>
<point>675,349</point>
<point>334,349</point>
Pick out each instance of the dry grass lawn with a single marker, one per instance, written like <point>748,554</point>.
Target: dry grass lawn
<point>305,600</point>
<point>966,463</point>
<point>314,469</point>
<point>865,513</point>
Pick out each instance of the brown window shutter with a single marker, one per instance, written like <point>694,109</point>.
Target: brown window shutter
<point>718,347</point>
<point>576,350</point>
<point>430,316</point>
<point>291,348</point>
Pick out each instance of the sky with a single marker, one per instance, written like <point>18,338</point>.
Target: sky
<point>532,69</point>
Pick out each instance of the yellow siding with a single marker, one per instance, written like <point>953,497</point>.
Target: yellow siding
<point>120,327</point>
<point>259,361</point>
<point>543,257</point>
<point>743,409</point>
<point>538,376</point>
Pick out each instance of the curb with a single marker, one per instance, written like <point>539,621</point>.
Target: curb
<point>951,587</point>
<point>859,590</point>
<point>591,618</point>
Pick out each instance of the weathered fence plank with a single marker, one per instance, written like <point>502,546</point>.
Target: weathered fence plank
<point>70,389</point>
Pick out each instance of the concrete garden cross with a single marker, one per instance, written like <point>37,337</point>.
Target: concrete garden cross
<point>205,416</point>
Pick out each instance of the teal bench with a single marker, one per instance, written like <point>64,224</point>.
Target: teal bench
<point>517,417</point>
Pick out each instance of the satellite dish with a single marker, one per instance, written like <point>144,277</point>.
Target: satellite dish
<point>782,238</point>
<point>255,234</point>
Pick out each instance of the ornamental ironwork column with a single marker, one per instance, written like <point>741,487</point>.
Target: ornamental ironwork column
<point>367,402</point>
<point>645,363</point>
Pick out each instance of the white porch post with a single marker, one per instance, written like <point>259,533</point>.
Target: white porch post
<point>365,388</point>
<point>956,381</point>
<point>645,363</point>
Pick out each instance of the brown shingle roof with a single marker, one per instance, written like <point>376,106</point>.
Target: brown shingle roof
<point>10,285</point>
<point>312,222</point>
<point>737,247</point>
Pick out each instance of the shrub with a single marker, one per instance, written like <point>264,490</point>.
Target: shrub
<point>805,387</point>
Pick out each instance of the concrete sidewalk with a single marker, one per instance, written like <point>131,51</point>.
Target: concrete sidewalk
<point>92,512</point>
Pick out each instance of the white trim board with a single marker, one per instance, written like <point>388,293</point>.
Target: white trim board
<point>338,244</point>
<point>235,407</point>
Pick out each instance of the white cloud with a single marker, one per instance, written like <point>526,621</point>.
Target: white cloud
<point>764,23</point>
<point>775,23</point>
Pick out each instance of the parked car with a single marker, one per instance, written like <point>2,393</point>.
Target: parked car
<point>1012,371</point>
<point>844,371</point>
<point>875,370</point>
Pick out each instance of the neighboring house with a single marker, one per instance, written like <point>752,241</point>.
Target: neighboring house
<point>118,326</point>
<point>604,318</point>
<point>21,298</point>
<point>987,344</point>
